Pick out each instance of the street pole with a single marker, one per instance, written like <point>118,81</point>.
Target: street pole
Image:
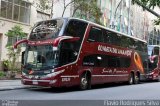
<point>129,21</point>
<point>51,15</point>
<point>114,19</point>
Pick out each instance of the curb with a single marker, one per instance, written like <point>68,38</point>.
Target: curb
<point>14,88</point>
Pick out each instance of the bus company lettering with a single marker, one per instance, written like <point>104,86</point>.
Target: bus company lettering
<point>114,50</point>
<point>111,71</point>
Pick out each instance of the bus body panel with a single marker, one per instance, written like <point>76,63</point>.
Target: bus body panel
<point>105,62</point>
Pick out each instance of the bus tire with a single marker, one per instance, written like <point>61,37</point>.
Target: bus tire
<point>137,78</point>
<point>85,81</point>
<point>131,79</point>
<point>158,80</point>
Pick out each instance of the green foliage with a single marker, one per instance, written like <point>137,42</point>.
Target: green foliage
<point>2,74</point>
<point>6,64</point>
<point>150,4</point>
<point>15,31</point>
<point>87,9</point>
<point>44,5</point>
<point>157,22</point>
<point>13,55</point>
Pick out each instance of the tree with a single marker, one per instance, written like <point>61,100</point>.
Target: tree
<point>150,4</point>
<point>44,5</point>
<point>87,9</point>
<point>15,32</point>
<point>65,5</point>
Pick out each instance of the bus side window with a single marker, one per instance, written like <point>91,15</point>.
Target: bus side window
<point>76,29</point>
<point>89,60</point>
<point>107,37</point>
<point>112,38</point>
<point>95,35</point>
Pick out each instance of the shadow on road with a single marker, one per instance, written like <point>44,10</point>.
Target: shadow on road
<point>75,89</point>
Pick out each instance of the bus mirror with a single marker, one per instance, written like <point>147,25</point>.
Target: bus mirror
<point>91,40</point>
<point>65,38</point>
<point>19,42</point>
<point>73,39</point>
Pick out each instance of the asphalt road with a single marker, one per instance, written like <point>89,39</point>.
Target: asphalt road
<point>98,94</point>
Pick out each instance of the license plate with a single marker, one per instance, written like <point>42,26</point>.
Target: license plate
<point>35,82</point>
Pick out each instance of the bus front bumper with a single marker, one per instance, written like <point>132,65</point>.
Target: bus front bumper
<point>152,77</point>
<point>45,83</point>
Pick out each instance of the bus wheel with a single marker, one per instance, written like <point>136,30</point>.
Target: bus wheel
<point>158,80</point>
<point>137,78</point>
<point>131,79</point>
<point>85,81</point>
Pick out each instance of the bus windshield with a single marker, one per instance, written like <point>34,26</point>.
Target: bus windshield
<point>41,57</point>
<point>46,29</point>
<point>153,50</point>
<point>150,49</point>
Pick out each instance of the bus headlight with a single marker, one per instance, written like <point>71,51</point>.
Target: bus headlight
<point>24,74</point>
<point>30,76</point>
<point>55,73</point>
<point>52,81</point>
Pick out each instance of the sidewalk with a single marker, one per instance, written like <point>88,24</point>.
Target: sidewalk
<point>11,84</point>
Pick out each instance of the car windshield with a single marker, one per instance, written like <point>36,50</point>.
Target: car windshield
<point>41,57</point>
<point>46,29</point>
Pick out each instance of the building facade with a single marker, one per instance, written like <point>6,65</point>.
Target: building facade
<point>120,15</point>
<point>131,19</point>
<point>123,16</point>
<point>17,12</point>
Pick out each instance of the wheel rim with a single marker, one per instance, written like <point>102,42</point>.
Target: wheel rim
<point>84,81</point>
<point>131,79</point>
<point>136,79</point>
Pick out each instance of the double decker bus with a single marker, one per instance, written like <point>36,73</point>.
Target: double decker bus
<point>75,52</point>
<point>154,62</point>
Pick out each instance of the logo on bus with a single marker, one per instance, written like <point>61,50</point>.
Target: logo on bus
<point>114,50</point>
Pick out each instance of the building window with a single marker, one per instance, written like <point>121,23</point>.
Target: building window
<point>13,40</point>
<point>42,16</point>
<point>17,10</point>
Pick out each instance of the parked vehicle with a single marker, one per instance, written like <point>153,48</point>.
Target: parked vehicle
<point>70,52</point>
<point>154,63</point>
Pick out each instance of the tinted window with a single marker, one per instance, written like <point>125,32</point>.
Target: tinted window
<point>95,35</point>
<point>75,28</point>
<point>46,30</point>
<point>112,38</point>
<point>107,61</point>
<point>89,60</point>
<point>156,51</point>
<point>127,42</point>
<point>68,52</point>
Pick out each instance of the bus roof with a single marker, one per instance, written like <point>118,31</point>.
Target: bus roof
<point>89,22</point>
<point>154,45</point>
<point>109,29</point>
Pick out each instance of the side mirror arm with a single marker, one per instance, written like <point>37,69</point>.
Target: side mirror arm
<point>19,42</point>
